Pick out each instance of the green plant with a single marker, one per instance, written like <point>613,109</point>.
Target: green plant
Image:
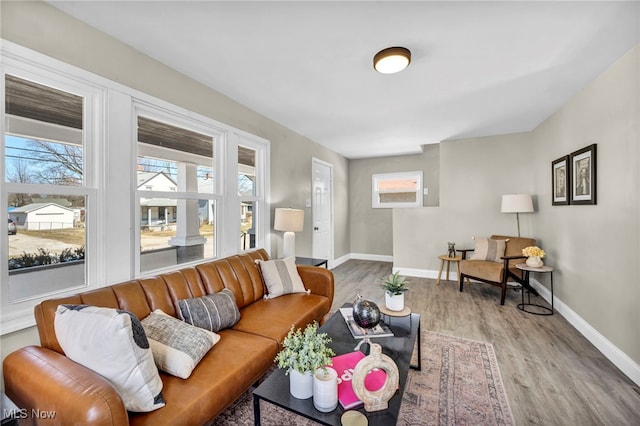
<point>395,284</point>
<point>305,350</point>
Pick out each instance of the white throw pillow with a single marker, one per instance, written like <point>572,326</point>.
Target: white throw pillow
<point>488,249</point>
<point>112,343</point>
<point>281,277</point>
<point>177,346</point>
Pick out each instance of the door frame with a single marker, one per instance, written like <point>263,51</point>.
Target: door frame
<point>315,161</point>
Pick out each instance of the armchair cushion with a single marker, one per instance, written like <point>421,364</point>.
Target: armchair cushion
<point>489,249</point>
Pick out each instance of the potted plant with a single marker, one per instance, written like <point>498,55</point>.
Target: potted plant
<point>303,352</point>
<point>395,286</point>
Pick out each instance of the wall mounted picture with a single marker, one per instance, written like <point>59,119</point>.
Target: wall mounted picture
<point>560,178</point>
<point>583,175</point>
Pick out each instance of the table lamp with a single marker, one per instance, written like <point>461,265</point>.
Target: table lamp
<point>517,203</point>
<point>289,221</point>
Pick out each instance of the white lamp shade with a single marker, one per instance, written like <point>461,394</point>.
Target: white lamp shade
<point>517,203</point>
<point>291,220</point>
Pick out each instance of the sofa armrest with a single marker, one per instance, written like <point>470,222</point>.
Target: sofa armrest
<point>41,380</point>
<point>318,280</point>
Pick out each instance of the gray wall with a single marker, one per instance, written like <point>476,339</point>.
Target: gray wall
<point>474,174</point>
<point>371,229</point>
<point>40,27</point>
<point>595,249</point>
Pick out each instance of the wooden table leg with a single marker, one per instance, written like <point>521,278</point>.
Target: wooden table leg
<point>440,272</point>
<point>458,270</point>
<point>448,267</point>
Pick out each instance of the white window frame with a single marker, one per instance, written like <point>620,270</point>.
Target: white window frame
<point>174,117</point>
<point>376,178</point>
<point>18,314</point>
<point>111,159</point>
<point>259,200</point>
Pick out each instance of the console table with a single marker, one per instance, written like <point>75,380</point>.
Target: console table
<point>311,261</point>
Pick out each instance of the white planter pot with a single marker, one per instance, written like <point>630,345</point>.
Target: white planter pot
<point>301,385</point>
<point>394,302</point>
<point>534,262</point>
<point>325,389</point>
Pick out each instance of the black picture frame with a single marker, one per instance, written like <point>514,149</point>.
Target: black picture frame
<point>584,176</point>
<point>560,181</point>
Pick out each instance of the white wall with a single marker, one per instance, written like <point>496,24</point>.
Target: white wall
<point>594,249</point>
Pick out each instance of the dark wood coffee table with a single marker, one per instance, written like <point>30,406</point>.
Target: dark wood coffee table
<point>275,388</point>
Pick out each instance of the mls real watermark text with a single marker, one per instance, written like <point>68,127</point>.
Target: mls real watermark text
<point>23,413</point>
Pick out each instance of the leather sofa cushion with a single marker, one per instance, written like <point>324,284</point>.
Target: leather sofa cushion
<point>273,317</point>
<point>237,359</point>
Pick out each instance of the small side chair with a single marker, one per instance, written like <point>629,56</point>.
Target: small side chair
<point>493,261</point>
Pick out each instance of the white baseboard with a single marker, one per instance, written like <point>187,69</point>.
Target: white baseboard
<point>360,256</point>
<point>375,257</point>
<point>608,349</point>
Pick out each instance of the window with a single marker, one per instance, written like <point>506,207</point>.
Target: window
<point>178,227</point>
<point>85,160</point>
<point>391,190</point>
<point>48,188</point>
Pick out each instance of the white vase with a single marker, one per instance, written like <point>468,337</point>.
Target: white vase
<point>301,384</point>
<point>394,302</point>
<point>534,262</point>
<point>325,389</point>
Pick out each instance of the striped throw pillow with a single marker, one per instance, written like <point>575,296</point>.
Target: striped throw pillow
<point>488,249</point>
<point>281,277</point>
<point>213,312</point>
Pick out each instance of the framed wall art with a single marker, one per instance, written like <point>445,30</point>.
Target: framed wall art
<point>583,175</point>
<point>560,181</point>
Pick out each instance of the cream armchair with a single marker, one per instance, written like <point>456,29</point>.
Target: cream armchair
<point>493,261</point>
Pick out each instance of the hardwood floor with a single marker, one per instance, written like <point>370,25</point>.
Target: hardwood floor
<point>552,374</point>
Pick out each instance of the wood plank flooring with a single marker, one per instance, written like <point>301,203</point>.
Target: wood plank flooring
<point>552,374</point>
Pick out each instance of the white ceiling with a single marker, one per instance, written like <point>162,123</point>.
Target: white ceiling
<point>478,68</point>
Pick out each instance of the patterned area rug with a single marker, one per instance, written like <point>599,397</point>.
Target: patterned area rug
<point>459,384</point>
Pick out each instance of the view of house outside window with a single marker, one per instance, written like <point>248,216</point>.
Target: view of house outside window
<point>174,166</point>
<point>44,171</point>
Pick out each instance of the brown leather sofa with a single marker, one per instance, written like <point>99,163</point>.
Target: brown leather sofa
<point>43,378</point>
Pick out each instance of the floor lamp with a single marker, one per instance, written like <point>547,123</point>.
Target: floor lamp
<point>517,203</point>
<point>289,221</point>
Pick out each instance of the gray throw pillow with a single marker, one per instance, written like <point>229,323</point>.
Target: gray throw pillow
<point>213,312</point>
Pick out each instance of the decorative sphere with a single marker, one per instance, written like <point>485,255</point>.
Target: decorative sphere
<point>366,313</point>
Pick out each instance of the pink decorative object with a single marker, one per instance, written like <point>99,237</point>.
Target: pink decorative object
<point>345,365</point>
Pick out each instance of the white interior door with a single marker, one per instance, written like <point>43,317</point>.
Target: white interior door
<point>321,209</point>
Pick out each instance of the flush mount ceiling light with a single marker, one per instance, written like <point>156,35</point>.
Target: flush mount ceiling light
<point>392,60</point>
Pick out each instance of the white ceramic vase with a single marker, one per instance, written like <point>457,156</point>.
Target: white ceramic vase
<point>301,384</point>
<point>325,389</point>
<point>394,302</point>
<point>534,262</point>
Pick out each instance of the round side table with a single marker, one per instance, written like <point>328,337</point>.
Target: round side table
<point>448,260</point>
<point>524,306</point>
